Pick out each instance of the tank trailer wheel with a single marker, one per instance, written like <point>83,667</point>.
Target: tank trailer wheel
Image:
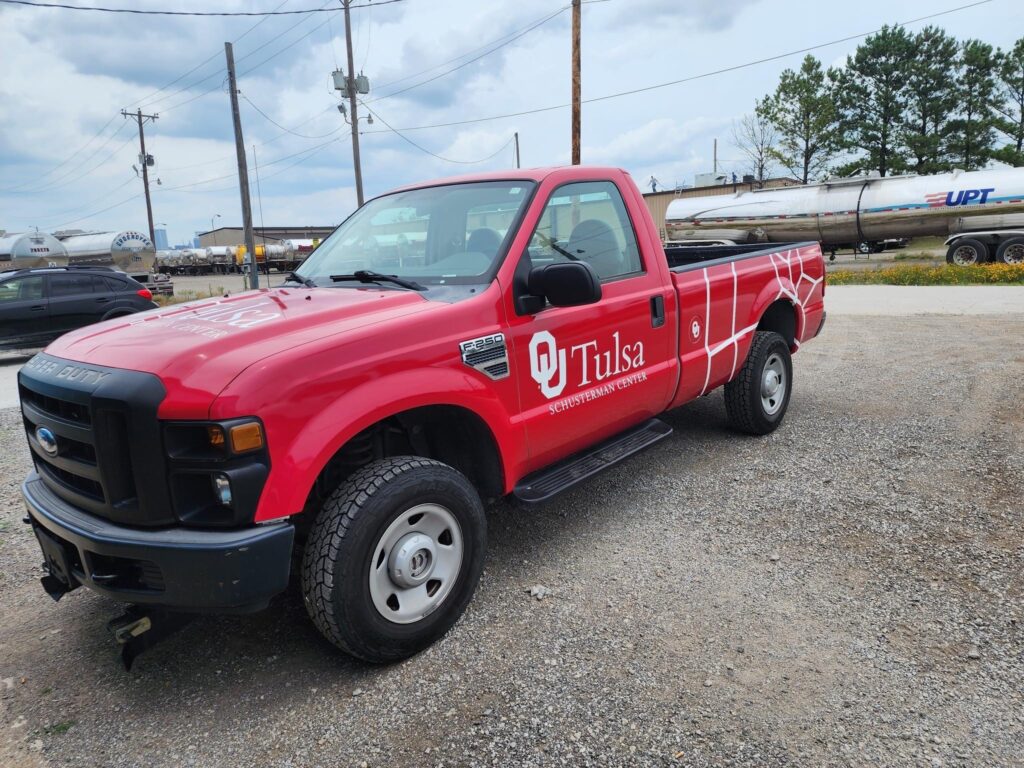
<point>1011,251</point>
<point>966,252</point>
<point>393,558</point>
<point>757,398</point>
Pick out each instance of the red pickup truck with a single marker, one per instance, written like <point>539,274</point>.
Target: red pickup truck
<point>450,343</point>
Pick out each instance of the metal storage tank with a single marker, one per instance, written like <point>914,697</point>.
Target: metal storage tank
<point>129,250</point>
<point>19,250</point>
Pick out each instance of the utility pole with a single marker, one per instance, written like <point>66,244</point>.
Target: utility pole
<point>517,148</point>
<point>145,166</point>
<point>575,82</point>
<point>351,82</point>
<point>243,172</point>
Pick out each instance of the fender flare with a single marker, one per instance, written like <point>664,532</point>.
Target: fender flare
<point>296,470</point>
<point>784,290</point>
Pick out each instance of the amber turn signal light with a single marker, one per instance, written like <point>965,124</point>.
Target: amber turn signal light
<point>246,437</point>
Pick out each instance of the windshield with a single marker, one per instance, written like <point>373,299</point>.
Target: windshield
<point>451,234</point>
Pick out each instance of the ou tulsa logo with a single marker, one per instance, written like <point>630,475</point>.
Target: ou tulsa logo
<point>695,328</point>
<point>547,361</point>
<point>47,441</point>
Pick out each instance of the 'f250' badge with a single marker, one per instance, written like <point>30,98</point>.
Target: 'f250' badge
<point>487,354</point>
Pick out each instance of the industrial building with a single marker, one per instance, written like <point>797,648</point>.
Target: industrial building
<point>657,202</point>
<point>264,235</point>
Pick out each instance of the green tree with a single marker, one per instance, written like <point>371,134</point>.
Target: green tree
<point>973,135</point>
<point>872,94</point>
<point>931,100</point>
<point>1010,108</point>
<point>803,114</point>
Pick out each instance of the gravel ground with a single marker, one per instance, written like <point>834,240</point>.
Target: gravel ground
<point>846,591</point>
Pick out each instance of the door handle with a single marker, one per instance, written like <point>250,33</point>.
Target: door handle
<point>37,308</point>
<point>102,300</point>
<point>657,311</point>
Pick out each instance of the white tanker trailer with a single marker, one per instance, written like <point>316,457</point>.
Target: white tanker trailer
<point>981,211</point>
<point>20,250</point>
<point>129,251</point>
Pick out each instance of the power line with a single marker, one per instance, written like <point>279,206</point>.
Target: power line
<point>66,160</point>
<point>463,55</point>
<point>145,102</point>
<point>271,120</point>
<point>434,154</point>
<point>72,174</point>
<point>144,12</point>
<point>656,86</point>
<point>515,36</point>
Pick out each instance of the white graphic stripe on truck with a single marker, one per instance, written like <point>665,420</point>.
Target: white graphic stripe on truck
<point>736,336</point>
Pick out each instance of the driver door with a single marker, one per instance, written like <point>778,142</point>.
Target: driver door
<point>588,372</point>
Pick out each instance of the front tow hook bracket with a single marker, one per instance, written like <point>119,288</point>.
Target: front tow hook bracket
<point>140,629</point>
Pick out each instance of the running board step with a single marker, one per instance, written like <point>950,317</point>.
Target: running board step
<point>542,485</point>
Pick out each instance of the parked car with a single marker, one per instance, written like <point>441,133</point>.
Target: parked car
<point>358,421</point>
<point>38,305</point>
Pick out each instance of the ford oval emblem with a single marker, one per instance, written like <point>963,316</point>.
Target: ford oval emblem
<point>47,440</point>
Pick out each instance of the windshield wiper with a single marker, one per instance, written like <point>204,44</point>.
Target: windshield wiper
<point>368,276</point>
<point>294,277</point>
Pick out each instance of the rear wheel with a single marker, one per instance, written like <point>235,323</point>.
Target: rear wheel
<point>394,557</point>
<point>757,398</point>
<point>1011,251</point>
<point>966,252</point>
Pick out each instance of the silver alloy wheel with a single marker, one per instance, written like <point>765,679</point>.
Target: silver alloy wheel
<point>416,563</point>
<point>773,384</point>
<point>1014,254</point>
<point>966,255</point>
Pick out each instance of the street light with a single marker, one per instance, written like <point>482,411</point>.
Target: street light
<point>212,232</point>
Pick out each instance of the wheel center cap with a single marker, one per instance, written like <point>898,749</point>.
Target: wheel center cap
<point>771,383</point>
<point>412,560</point>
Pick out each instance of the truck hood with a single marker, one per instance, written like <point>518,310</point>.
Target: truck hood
<point>198,348</point>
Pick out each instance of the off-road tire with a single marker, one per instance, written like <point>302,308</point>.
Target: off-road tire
<point>743,402</point>
<point>344,537</point>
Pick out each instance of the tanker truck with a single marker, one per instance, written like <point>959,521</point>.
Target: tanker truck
<point>980,212</point>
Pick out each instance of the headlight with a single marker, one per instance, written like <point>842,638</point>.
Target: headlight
<point>197,440</point>
<point>216,470</point>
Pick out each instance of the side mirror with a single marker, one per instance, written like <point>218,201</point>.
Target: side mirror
<point>566,284</point>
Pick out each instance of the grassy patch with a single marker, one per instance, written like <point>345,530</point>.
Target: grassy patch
<point>949,274</point>
<point>59,729</point>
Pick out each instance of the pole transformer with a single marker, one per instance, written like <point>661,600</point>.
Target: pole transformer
<point>141,118</point>
<point>351,83</point>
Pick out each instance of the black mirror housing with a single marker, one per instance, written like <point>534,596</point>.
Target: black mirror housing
<point>565,284</point>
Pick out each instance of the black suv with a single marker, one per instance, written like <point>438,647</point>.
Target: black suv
<point>38,305</point>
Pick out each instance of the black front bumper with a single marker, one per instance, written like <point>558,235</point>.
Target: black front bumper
<point>178,568</point>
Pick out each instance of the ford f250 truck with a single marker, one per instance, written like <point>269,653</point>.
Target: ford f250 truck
<point>450,343</point>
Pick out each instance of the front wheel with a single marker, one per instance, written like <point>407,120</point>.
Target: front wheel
<point>394,557</point>
<point>757,398</point>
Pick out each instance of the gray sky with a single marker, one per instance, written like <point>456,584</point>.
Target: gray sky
<point>69,73</point>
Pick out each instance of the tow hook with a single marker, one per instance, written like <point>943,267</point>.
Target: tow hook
<point>140,629</point>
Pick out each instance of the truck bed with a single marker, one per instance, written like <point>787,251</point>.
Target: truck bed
<point>724,291</point>
<point>683,257</point>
